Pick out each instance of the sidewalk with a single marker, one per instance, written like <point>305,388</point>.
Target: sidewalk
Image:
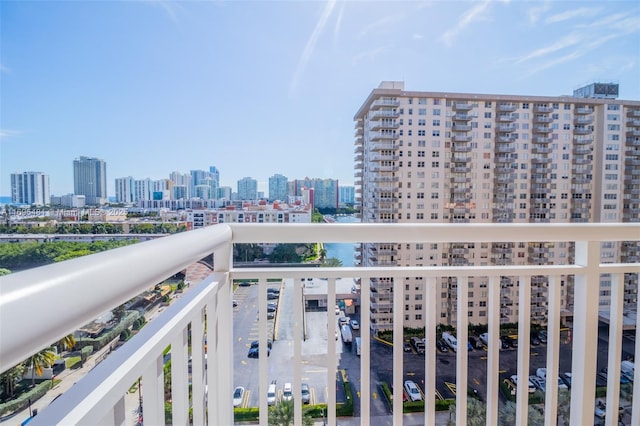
<point>67,378</point>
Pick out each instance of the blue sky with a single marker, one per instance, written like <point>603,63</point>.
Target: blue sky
<point>266,87</point>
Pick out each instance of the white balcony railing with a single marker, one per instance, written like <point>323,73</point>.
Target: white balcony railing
<point>44,304</point>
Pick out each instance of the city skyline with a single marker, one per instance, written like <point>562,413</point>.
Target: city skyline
<point>188,86</point>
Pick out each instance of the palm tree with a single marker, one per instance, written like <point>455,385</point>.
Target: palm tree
<point>9,378</point>
<point>38,361</point>
<point>281,414</point>
<point>67,342</point>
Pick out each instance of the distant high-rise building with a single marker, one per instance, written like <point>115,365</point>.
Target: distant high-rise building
<point>225,192</point>
<point>125,190</point>
<point>90,180</point>
<point>162,189</point>
<point>30,188</point>
<point>215,173</point>
<point>182,180</point>
<point>278,187</point>
<point>325,191</point>
<point>247,189</point>
<point>180,192</point>
<point>433,157</point>
<point>143,189</point>
<point>347,195</point>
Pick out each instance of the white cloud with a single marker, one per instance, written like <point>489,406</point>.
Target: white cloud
<point>6,133</point>
<point>311,44</point>
<point>387,21</point>
<point>567,41</point>
<point>537,11</point>
<point>574,13</point>
<point>471,15</point>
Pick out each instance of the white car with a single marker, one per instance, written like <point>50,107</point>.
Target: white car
<point>287,392</point>
<point>354,324</point>
<point>238,396</point>
<point>412,390</point>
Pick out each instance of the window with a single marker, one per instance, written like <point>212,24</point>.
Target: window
<point>487,115</point>
<point>436,122</point>
<point>435,133</point>
<point>436,111</point>
<point>422,111</point>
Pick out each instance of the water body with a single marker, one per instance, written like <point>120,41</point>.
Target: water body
<point>344,252</point>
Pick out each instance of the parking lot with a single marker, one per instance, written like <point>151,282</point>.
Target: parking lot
<point>314,367</point>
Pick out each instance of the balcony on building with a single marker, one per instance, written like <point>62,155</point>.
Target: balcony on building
<point>542,108</point>
<point>48,303</point>
<point>385,102</point>
<point>507,107</point>
<point>462,106</point>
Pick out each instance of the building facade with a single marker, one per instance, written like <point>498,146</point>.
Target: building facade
<point>278,188</point>
<point>347,196</point>
<point>30,188</point>
<point>90,180</point>
<point>247,189</point>
<point>325,191</point>
<point>125,190</point>
<point>474,158</point>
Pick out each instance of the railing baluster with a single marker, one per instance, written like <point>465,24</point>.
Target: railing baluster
<point>197,367</point>
<point>585,337</point>
<point>153,393</point>
<point>263,363</point>
<point>553,351</point>
<point>462,350</point>
<point>298,306</point>
<point>180,379</point>
<point>365,354</point>
<point>431,318</point>
<point>493,351</point>
<point>524,319</point>
<point>615,349</point>
<point>398,338</point>
<point>332,362</point>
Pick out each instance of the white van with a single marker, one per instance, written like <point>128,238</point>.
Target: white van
<point>450,340</point>
<point>271,394</point>
<point>628,368</point>
<point>287,392</point>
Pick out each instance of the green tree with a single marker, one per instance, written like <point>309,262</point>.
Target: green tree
<point>38,361</point>
<point>281,414</point>
<point>285,253</point>
<point>10,378</point>
<point>68,342</point>
<point>332,262</point>
<point>476,413</point>
<point>507,415</point>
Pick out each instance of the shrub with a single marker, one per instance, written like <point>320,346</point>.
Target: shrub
<point>246,414</point>
<point>22,401</point>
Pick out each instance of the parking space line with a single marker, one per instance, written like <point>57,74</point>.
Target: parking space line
<point>245,400</point>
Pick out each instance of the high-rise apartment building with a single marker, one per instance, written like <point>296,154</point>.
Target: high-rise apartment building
<point>473,158</point>
<point>125,190</point>
<point>347,195</point>
<point>325,191</point>
<point>30,188</point>
<point>90,180</point>
<point>247,189</point>
<point>278,189</point>
<point>184,182</point>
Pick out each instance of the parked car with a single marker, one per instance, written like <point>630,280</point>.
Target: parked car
<point>406,346</point>
<point>271,394</point>
<point>272,296</point>
<point>306,395</point>
<point>272,308</point>
<point>505,343</point>
<point>417,344</point>
<point>538,382</point>
<point>287,392</point>
<point>412,390</point>
<point>512,341</point>
<point>238,396</point>
<point>273,290</point>
<point>343,320</point>
<point>542,335</point>
<point>255,352</point>
<point>256,343</point>
<point>442,346</point>
<point>531,387</point>
<point>566,378</point>
<point>244,284</point>
<point>475,342</point>
<point>484,338</point>
<point>354,324</point>
<point>235,303</point>
<point>534,340</point>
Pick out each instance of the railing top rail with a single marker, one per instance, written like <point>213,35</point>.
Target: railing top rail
<point>433,233</point>
<point>90,285</point>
